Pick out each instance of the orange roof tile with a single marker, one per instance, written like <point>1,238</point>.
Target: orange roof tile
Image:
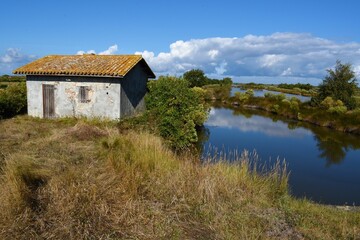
<point>84,65</point>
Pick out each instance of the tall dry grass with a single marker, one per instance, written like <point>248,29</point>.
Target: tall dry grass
<point>84,180</point>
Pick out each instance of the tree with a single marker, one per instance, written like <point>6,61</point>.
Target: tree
<point>227,81</point>
<point>339,84</point>
<point>177,110</point>
<point>195,77</point>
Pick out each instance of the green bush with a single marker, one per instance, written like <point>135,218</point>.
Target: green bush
<point>277,97</point>
<point>13,100</point>
<point>280,97</point>
<point>338,109</point>
<point>286,102</point>
<point>242,97</point>
<point>327,103</point>
<point>250,92</point>
<point>294,106</point>
<point>269,95</point>
<point>177,110</point>
<point>333,106</point>
<point>275,108</point>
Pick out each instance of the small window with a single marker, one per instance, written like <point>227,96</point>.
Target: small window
<point>84,94</point>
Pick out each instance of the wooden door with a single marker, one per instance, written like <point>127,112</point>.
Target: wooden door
<point>48,101</point>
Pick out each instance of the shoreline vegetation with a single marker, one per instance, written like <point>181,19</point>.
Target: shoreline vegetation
<point>327,115</point>
<point>296,89</point>
<point>80,178</point>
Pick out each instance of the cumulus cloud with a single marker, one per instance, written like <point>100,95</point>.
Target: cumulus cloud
<point>110,51</point>
<point>87,52</point>
<point>12,59</point>
<point>296,55</point>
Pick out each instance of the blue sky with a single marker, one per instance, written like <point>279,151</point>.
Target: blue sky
<point>270,41</point>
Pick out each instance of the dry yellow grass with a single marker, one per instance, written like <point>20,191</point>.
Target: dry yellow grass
<point>77,179</point>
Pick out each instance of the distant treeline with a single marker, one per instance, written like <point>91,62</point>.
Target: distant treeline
<point>297,85</point>
<point>252,85</point>
<point>197,78</point>
<point>8,78</point>
<point>224,81</point>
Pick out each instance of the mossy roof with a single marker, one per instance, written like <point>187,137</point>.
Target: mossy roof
<point>84,65</point>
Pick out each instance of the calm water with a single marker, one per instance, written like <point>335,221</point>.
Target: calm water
<point>260,93</point>
<point>324,165</point>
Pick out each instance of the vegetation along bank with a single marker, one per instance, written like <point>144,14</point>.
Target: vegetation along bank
<point>335,104</point>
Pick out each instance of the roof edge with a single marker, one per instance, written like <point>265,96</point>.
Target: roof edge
<point>72,75</point>
<point>151,74</point>
<point>138,59</point>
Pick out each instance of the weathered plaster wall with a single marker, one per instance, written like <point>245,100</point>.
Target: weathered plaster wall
<point>133,90</point>
<point>104,96</point>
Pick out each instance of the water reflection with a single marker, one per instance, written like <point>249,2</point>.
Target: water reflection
<point>247,122</point>
<point>324,163</point>
<point>332,145</point>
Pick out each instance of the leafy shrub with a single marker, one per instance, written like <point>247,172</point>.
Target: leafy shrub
<point>13,100</point>
<point>277,97</point>
<point>338,109</point>
<point>297,90</point>
<point>328,102</point>
<point>294,106</point>
<point>177,110</point>
<point>250,92</point>
<point>280,97</point>
<point>200,92</point>
<point>268,95</point>
<point>333,106</point>
<point>295,99</point>
<point>286,102</point>
<point>242,97</point>
<point>275,108</point>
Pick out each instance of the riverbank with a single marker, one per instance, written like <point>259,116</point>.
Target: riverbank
<point>81,179</point>
<point>348,122</point>
<point>296,89</point>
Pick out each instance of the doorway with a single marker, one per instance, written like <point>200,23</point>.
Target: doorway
<point>48,101</point>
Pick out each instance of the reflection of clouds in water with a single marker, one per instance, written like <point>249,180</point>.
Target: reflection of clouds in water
<point>224,118</point>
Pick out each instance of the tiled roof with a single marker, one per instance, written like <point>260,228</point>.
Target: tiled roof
<point>84,65</point>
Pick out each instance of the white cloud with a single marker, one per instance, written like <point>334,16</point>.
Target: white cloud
<point>280,54</point>
<point>287,72</point>
<point>213,53</point>
<point>110,51</point>
<point>221,69</point>
<point>269,60</point>
<point>13,55</point>
<point>87,52</point>
<point>12,59</point>
<point>357,71</point>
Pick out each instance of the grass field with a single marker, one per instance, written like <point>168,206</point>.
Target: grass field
<point>81,179</point>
